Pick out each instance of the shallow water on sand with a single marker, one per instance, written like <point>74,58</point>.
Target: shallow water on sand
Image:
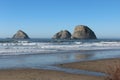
<point>44,60</point>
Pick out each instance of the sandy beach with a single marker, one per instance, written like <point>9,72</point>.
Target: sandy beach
<point>96,65</point>
<point>39,74</point>
<point>35,74</point>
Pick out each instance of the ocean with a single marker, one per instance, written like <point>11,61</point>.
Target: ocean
<point>43,53</point>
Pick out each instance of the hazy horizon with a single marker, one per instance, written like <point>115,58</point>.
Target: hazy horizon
<point>44,18</point>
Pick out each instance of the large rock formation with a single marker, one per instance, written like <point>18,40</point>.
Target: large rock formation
<point>62,35</point>
<point>83,32</point>
<point>20,35</point>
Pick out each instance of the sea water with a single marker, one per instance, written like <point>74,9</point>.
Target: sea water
<point>41,53</point>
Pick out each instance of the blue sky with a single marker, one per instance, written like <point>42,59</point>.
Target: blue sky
<point>43,18</point>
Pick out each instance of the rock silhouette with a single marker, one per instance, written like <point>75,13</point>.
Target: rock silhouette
<point>62,35</point>
<point>83,32</point>
<point>20,35</point>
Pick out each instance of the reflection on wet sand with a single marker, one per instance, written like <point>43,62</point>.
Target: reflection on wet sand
<point>72,57</point>
<point>83,56</point>
<point>38,60</point>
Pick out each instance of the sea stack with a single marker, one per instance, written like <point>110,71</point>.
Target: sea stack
<point>62,35</point>
<point>20,35</point>
<point>83,32</point>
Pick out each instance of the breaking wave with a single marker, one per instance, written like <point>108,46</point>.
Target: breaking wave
<point>32,47</point>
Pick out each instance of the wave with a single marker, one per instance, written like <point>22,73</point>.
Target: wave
<point>27,47</point>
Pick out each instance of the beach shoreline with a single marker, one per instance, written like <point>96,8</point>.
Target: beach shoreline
<point>40,74</point>
<point>101,65</point>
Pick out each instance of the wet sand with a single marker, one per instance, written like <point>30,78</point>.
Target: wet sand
<point>37,74</point>
<point>95,65</point>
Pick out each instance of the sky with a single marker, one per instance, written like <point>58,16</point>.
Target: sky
<point>43,18</point>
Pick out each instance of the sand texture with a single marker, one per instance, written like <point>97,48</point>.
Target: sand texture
<point>35,74</point>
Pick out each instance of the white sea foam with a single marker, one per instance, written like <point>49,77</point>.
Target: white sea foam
<point>25,47</point>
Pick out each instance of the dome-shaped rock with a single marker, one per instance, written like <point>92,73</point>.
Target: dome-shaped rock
<point>83,32</point>
<point>62,35</point>
<point>20,35</point>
